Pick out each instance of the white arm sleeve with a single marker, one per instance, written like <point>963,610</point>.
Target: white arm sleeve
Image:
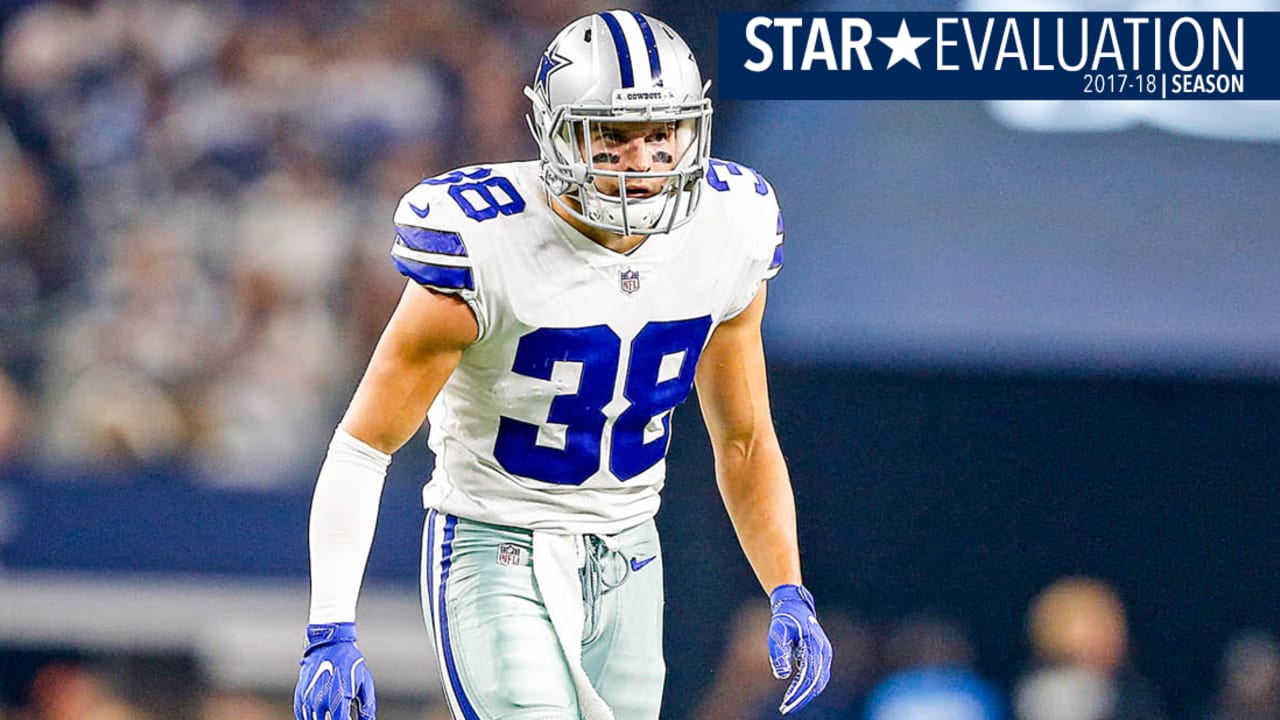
<point>344,513</point>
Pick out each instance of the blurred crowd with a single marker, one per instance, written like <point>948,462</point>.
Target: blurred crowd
<point>1080,666</point>
<point>195,204</point>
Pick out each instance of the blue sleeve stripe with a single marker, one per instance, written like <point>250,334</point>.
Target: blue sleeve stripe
<point>777,257</point>
<point>436,241</point>
<point>780,222</point>
<point>440,276</point>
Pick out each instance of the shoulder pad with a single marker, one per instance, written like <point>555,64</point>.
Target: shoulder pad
<point>729,176</point>
<point>433,218</point>
<point>429,205</point>
<point>428,245</point>
<point>754,208</point>
<point>463,197</point>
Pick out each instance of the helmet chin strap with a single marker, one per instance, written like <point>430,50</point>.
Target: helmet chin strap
<point>626,215</point>
<point>606,212</point>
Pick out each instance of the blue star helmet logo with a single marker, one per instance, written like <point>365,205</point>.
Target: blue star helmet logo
<point>552,61</point>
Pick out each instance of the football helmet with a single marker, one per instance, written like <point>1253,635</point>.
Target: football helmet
<point>612,78</point>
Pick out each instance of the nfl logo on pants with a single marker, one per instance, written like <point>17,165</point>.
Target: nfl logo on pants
<point>629,280</point>
<point>509,554</point>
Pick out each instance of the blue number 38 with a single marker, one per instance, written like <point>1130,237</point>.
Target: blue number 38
<point>582,413</point>
<point>484,197</point>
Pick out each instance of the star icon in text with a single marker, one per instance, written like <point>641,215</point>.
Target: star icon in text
<point>904,46</point>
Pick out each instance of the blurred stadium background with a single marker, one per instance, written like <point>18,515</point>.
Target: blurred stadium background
<point>1012,344</point>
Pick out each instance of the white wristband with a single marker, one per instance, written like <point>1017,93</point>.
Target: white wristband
<point>344,513</point>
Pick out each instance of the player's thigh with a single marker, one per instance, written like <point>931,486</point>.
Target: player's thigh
<point>498,653</point>
<point>625,661</point>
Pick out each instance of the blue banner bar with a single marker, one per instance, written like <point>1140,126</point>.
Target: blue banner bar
<point>1000,56</point>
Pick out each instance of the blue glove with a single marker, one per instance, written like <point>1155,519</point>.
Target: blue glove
<point>333,674</point>
<point>795,635</point>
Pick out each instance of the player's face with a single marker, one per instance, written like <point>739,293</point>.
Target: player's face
<point>633,147</point>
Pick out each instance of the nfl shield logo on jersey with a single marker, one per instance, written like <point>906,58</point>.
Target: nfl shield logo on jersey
<point>629,280</point>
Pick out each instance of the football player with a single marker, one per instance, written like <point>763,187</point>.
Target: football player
<point>557,312</point>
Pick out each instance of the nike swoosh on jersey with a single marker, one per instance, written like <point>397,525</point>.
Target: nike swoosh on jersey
<point>420,212</point>
<point>638,565</point>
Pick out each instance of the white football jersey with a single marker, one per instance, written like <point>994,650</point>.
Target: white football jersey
<point>558,417</point>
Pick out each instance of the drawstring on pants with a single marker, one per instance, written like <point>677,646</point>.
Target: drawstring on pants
<point>597,580</point>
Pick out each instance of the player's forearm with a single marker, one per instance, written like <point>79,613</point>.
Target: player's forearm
<point>757,494</point>
<point>344,513</point>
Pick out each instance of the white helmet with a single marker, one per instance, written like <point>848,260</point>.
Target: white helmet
<point>617,67</point>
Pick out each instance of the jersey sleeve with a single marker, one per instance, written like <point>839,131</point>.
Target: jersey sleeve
<point>430,249</point>
<point>761,235</point>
